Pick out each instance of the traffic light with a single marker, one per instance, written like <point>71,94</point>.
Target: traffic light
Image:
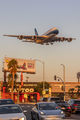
<point>55,77</point>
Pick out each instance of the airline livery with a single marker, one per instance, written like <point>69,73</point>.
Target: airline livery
<point>49,37</point>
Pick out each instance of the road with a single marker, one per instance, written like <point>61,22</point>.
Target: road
<point>28,107</point>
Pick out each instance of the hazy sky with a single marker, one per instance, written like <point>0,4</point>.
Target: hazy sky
<point>20,17</point>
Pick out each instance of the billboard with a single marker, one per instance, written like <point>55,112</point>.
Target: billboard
<point>27,66</point>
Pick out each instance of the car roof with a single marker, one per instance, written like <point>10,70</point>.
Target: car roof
<point>75,99</point>
<point>44,102</point>
<point>5,99</point>
<point>9,105</point>
<point>54,97</point>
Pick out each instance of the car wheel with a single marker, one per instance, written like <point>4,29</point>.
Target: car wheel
<point>32,117</point>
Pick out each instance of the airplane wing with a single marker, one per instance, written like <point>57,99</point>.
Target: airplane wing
<point>62,39</point>
<point>31,37</point>
<point>41,39</point>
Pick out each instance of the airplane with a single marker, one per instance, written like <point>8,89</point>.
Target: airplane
<point>48,37</point>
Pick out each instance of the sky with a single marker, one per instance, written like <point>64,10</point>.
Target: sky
<point>20,17</point>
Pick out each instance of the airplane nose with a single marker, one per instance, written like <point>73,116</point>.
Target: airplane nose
<point>56,31</point>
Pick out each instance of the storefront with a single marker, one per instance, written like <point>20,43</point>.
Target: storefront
<point>25,93</point>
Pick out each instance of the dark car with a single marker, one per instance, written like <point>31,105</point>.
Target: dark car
<point>53,99</point>
<point>44,99</point>
<point>75,105</point>
<point>63,105</point>
<point>6,101</point>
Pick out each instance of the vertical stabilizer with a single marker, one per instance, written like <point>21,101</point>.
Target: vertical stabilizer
<point>36,33</point>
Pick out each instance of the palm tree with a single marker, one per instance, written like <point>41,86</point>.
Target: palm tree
<point>78,90</point>
<point>12,66</point>
<point>70,91</point>
<point>10,79</point>
<point>39,87</point>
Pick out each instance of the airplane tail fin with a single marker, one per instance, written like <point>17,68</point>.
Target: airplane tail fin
<point>36,33</point>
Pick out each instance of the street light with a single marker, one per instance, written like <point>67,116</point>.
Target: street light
<point>64,78</point>
<point>43,76</point>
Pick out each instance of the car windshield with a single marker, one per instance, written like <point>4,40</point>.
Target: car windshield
<point>48,106</point>
<point>10,109</point>
<point>3,102</point>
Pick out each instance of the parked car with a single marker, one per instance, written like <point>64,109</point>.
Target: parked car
<point>75,105</point>
<point>53,99</point>
<point>11,112</point>
<point>6,101</point>
<point>44,99</point>
<point>46,111</point>
<point>64,106</point>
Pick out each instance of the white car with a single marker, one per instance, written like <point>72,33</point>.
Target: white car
<point>11,112</point>
<point>46,111</point>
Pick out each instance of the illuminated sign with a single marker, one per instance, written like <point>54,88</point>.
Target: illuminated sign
<point>26,90</point>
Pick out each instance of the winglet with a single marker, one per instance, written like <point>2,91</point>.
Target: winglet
<point>36,33</point>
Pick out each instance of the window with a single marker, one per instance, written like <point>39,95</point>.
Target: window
<point>10,109</point>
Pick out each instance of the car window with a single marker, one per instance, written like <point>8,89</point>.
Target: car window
<point>45,99</point>
<point>40,99</point>
<point>10,109</point>
<point>77,102</point>
<point>48,106</point>
<point>70,101</point>
<point>2,102</point>
<point>63,103</point>
<point>53,99</point>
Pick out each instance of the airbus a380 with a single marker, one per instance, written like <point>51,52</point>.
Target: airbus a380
<point>49,37</point>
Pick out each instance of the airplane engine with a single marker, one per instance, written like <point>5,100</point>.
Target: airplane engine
<point>20,37</point>
<point>51,43</point>
<point>33,37</point>
<point>42,43</point>
<point>47,43</point>
<point>62,39</point>
<point>69,39</point>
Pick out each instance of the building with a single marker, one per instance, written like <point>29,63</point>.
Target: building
<point>27,90</point>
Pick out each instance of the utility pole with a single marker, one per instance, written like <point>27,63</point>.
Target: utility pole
<point>64,78</point>
<point>43,76</point>
<point>27,79</point>
<point>55,78</point>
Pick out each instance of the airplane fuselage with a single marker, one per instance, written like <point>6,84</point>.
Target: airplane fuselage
<point>53,31</point>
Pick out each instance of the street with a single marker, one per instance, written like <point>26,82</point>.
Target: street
<point>28,107</point>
